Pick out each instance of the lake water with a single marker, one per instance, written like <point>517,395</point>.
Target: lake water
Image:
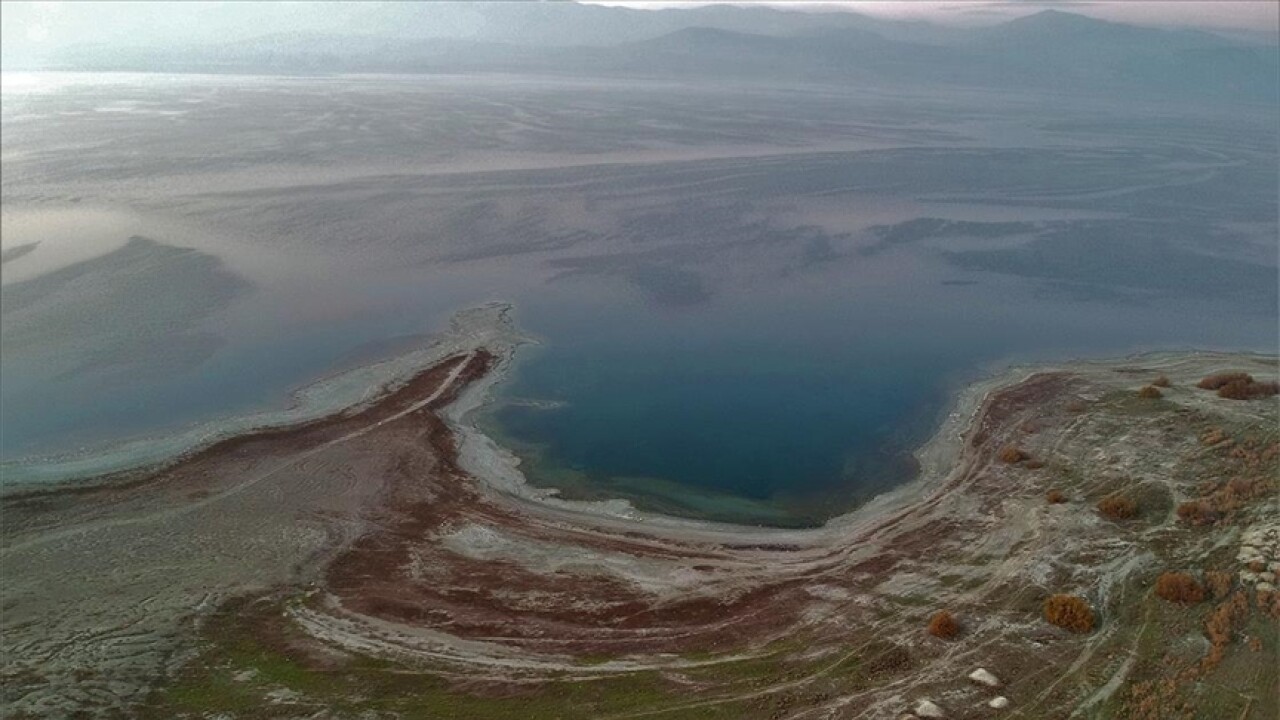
<point>753,303</point>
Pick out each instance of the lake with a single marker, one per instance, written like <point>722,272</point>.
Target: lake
<point>752,302</point>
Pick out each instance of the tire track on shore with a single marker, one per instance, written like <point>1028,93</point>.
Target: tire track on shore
<point>175,512</point>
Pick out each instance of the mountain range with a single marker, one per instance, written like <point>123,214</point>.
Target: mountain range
<point>1050,50</point>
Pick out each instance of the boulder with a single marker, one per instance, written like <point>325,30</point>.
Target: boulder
<point>983,677</point>
<point>926,709</point>
<point>999,703</point>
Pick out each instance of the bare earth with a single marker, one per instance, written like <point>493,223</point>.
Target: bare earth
<point>388,561</point>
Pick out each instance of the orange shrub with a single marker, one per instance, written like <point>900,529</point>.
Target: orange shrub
<point>1219,583</point>
<point>1197,512</point>
<point>1220,627</point>
<point>1150,392</point>
<point>1117,506</point>
<point>1180,588</point>
<point>1055,497</point>
<point>1161,382</point>
<point>943,625</point>
<point>1069,612</point>
<point>1213,382</point>
<point>1248,389</point>
<point>1011,455</point>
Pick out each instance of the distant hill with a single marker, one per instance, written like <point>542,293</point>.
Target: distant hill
<point>1050,50</point>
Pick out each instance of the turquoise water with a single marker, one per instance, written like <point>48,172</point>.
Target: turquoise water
<point>787,406</point>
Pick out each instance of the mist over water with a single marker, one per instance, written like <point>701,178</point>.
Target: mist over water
<point>752,302</point>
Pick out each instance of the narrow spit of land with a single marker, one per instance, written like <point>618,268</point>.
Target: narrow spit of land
<point>389,562</point>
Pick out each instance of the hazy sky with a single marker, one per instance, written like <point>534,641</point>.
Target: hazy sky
<point>1253,15</point>
<point>30,26</point>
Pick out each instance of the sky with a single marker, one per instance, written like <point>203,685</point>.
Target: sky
<point>1247,15</point>
<point>47,24</point>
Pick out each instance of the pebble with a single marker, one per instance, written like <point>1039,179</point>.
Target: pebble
<point>999,702</point>
<point>926,709</point>
<point>983,677</point>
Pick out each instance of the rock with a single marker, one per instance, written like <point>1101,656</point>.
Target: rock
<point>926,709</point>
<point>1248,576</point>
<point>1267,577</point>
<point>983,677</point>
<point>1264,587</point>
<point>999,703</point>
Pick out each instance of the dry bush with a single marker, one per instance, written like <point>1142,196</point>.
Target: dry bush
<point>1257,566</point>
<point>1213,437</point>
<point>1220,627</point>
<point>1069,612</point>
<point>1248,390</point>
<point>1161,382</point>
<point>943,625</point>
<point>1162,698</point>
<point>1011,455</point>
<point>1076,406</point>
<point>1222,502</point>
<point>1219,583</point>
<point>1213,382</point>
<point>1197,512</point>
<point>1150,392</point>
<point>1118,506</point>
<point>1179,587</point>
<point>1034,464</point>
<point>1055,497</point>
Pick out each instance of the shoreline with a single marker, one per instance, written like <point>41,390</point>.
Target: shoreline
<point>338,393</point>
<point>489,326</point>
<point>400,531</point>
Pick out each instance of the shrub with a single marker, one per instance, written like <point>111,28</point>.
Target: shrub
<point>1069,612</point>
<point>1150,392</point>
<point>1055,497</point>
<point>1197,512</point>
<point>1117,506</point>
<point>1011,455</point>
<point>1161,382</point>
<point>1213,382</point>
<point>1220,627</point>
<point>943,625</point>
<point>1223,501</point>
<point>1034,464</point>
<point>1219,583</point>
<point>1248,390</point>
<point>1213,437</point>
<point>1179,587</point>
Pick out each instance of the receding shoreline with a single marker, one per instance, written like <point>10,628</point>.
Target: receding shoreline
<point>490,326</point>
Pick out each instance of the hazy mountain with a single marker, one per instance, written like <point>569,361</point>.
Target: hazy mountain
<point>1049,50</point>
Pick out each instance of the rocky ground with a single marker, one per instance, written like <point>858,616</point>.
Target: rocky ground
<point>388,562</point>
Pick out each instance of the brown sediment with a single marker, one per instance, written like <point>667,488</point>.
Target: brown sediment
<point>402,572</point>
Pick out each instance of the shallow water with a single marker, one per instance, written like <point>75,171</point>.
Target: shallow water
<point>753,305</point>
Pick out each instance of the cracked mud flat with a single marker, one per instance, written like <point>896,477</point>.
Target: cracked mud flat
<point>389,561</point>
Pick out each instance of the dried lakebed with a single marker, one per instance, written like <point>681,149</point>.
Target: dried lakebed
<point>389,561</point>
